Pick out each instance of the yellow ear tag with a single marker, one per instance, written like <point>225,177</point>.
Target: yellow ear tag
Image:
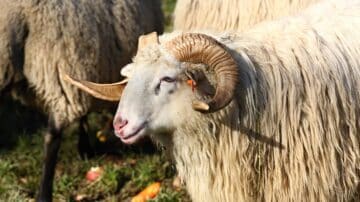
<point>192,84</point>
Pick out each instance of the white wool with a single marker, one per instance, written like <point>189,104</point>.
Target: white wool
<point>292,133</point>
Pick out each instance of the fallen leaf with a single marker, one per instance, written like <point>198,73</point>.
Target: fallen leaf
<point>148,193</point>
<point>177,182</point>
<point>99,133</point>
<point>80,197</point>
<point>101,136</point>
<point>132,162</point>
<point>138,199</point>
<point>24,180</point>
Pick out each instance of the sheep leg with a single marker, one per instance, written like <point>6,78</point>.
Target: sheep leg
<point>52,141</point>
<point>84,147</point>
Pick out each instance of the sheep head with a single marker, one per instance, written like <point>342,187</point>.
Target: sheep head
<point>157,95</point>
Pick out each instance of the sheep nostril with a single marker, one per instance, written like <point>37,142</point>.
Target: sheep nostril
<point>123,123</point>
<point>120,123</point>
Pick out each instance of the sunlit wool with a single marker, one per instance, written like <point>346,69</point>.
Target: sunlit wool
<point>87,39</point>
<point>292,132</point>
<point>235,15</point>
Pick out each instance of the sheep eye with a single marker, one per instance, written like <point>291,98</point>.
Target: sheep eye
<point>165,79</point>
<point>168,79</point>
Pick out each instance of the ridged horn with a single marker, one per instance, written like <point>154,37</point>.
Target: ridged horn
<point>109,92</point>
<point>200,48</point>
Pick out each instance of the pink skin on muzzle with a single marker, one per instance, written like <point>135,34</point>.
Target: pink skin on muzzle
<point>119,124</point>
<point>127,133</point>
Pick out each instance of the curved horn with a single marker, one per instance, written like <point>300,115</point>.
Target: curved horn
<point>113,91</point>
<point>200,48</point>
<point>109,92</point>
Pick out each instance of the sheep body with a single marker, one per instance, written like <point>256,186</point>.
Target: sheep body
<point>91,40</point>
<point>88,39</point>
<point>292,132</point>
<point>235,15</point>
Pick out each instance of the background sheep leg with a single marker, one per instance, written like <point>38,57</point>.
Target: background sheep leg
<point>84,147</point>
<point>52,141</point>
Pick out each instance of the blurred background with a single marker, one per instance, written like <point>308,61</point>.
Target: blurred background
<point>125,170</point>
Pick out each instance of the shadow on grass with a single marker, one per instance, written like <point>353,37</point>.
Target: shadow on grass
<point>17,121</point>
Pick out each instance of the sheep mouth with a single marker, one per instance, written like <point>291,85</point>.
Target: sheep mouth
<point>134,136</point>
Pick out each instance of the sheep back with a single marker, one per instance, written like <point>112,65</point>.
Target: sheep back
<point>235,15</point>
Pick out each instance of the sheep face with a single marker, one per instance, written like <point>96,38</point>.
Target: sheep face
<point>152,101</point>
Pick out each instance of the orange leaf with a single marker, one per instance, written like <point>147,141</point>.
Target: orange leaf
<point>138,198</point>
<point>148,193</point>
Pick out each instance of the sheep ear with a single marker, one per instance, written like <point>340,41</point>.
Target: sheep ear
<point>198,80</point>
<point>109,92</point>
<point>145,40</point>
<point>127,70</point>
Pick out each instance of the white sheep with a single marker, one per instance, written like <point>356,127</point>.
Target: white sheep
<point>235,15</point>
<point>89,39</point>
<point>282,123</point>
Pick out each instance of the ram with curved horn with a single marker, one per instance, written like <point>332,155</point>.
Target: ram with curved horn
<point>194,48</point>
<point>276,113</point>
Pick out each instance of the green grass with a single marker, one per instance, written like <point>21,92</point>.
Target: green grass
<point>127,170</point>
<point>168,8</point>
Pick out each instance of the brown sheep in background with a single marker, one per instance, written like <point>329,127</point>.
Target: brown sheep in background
<point>89,39</point>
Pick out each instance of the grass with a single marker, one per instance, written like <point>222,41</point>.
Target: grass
<point>168,8</point>
<point>125,173</point>
<point>127,169</point>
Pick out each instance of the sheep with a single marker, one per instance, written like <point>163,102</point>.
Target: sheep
<point>89,39</point>
<point>273,115</point>
<point>235,15</point>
